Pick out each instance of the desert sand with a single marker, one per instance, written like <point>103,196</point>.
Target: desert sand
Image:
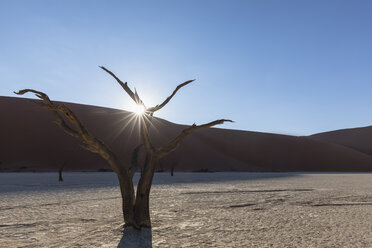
<point>189,210</point>
<point>355,138</point>
<point>30,141</point>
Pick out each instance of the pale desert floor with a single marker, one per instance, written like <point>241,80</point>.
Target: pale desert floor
<point>189,210</point>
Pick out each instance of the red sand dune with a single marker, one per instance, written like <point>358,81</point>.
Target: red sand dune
<point>31,141</point>
<point>359,139</point>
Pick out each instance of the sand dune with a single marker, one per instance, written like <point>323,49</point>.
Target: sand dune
<point>31,141</point>
<point>356,138</point>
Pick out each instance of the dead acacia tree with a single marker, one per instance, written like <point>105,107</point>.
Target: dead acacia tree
<point>136,211</point>
<point>60,170</point>
<point>60,178</point>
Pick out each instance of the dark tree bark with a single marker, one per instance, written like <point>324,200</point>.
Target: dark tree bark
<point>136,205</point>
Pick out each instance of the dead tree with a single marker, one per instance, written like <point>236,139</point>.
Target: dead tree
<point>135,205</point>
<point>60,178</point>
<point>173,165</point>
<point>60,170</point>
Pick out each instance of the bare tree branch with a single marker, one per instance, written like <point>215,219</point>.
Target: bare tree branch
<point>171,146</point>
<point>39,94</point>
<point>48,104</point>
<point>134,95</point>
<point>89,142</point>
<point>158,107</point>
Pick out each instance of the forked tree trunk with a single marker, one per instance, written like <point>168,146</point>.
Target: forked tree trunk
<point>136,208</point>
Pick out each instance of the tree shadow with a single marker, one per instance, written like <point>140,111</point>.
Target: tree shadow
<point>136,238</point>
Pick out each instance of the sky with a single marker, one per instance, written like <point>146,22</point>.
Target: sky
<point>290,67</point>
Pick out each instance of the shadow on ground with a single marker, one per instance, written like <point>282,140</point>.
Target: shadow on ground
<point>136,238</point>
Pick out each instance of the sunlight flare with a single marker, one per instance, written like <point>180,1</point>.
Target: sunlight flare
<point>139,109</point>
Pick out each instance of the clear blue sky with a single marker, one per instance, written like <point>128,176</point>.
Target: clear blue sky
<point>293,67</point>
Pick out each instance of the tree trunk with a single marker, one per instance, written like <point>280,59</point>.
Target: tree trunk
<point>142,206</point>
<point>128,198</point>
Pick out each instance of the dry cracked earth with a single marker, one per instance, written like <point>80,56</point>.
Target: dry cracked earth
<point>189,210</point>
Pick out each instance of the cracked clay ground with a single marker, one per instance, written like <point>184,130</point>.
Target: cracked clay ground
<point>189,210</point>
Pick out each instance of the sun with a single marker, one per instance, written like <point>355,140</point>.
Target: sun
<point>139,109</point>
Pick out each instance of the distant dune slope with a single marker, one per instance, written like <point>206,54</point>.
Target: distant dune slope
<point>29,140</point>
<point>357,138</point>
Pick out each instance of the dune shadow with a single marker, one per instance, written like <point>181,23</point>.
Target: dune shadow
<point>136,238</point>
<point>216,177</point>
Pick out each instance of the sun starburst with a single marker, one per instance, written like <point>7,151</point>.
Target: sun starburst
<point>139,109</point>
